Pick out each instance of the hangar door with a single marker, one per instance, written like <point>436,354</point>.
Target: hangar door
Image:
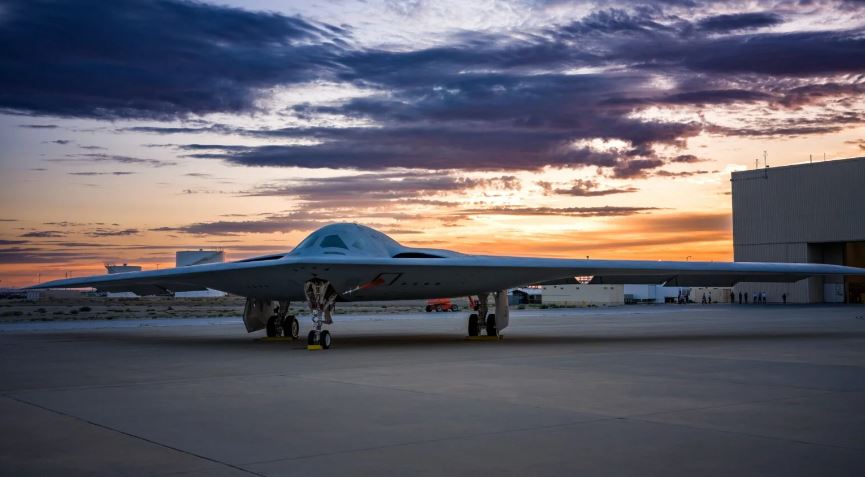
<point>854,256</point>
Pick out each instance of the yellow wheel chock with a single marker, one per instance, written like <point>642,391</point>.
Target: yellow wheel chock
<point>485,338</point>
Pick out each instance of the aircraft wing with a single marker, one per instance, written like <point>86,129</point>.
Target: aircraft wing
<point>385,278</point>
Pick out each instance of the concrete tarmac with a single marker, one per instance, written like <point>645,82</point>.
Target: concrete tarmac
<point>639,390</point>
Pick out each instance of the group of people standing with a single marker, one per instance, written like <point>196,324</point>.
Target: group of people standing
<point>758,297</point>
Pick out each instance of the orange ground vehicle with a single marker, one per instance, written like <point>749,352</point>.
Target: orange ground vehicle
<point>441,304</point>
<point>445,304</point>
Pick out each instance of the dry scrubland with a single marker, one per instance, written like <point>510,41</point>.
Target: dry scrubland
<point>101,308</point>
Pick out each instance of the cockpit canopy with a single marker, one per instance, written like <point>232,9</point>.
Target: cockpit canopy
<point>359,240</point>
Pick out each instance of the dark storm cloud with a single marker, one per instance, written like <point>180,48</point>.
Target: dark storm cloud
<point>139,58</point>
<point>604,211</point>
<point>38,126</point>
<point>664,173</point>
<point>738,21</point>
<point>383,190</point>
<point>17,255</point>
<point>769,131</point>
<point>467,148</point>
<point>636,168</point>
<point>587,188</point>
<point>799,54</point>
<point>382,186</point>
<point>112,232</point>
<point>686,159</point>
<point>13,242</point>
<point>44,234</point>
<point>115,173</point>
<point>818,92</point>
<point>476,101</point>
<point>703,97</point>
<point>99,157</point>
<point>275,223</point>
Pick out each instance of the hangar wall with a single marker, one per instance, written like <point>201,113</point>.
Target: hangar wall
<point>801,213</point>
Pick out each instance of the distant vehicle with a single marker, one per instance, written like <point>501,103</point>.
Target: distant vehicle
<point>441,304</point>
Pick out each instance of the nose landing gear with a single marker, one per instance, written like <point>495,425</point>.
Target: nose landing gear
<point>321,298</point>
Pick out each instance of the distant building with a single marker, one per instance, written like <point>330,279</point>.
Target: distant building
<point>37,295</point>
<point>187,258</point>
<point>525,296</point>
<point>662,294</point>
<point>583,295</point>
<point>802,213</point>
<point>112,269</point>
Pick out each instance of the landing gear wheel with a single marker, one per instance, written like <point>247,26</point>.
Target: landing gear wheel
<point>491,325</point>
<point>473,324</point>
<point>325,339</point>
<point>272,330</point>
<point>290,327</point>
<point>311,338</point>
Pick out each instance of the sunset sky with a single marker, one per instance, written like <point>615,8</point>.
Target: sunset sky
<point>131,129</point>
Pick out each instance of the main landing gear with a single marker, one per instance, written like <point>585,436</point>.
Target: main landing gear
<point>281,323</point>
<point>321,298</point>
<point>482,321</point>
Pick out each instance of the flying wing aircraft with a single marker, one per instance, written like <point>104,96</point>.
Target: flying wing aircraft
<point>351,262</point>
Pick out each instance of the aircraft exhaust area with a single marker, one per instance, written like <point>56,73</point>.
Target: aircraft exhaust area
<point>637,390</point>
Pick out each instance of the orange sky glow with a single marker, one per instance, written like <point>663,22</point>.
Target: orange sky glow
<point>562,130</point>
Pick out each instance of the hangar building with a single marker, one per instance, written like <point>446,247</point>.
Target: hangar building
<point>802,213</point>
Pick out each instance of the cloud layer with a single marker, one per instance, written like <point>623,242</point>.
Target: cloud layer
<point>476,101</point>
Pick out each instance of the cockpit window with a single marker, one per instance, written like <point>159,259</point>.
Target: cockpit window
<point>333,241</point>
<point>309,242</point>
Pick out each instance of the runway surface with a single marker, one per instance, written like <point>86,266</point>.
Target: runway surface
<point>643,390</point>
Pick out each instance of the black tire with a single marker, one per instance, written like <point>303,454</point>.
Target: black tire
<point>491,325</point>
<point>271,327</point>
<point>428,308</point>
<point>455,308</point>
<point>325,339</point>
<point>438,308</point>
<point>310,338</point>
<point>291,328</point>
<point>473,324</point>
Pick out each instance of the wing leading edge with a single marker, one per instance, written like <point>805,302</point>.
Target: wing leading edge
<point>409,278</point>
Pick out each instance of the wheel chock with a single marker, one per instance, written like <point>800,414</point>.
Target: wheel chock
<point>275,339</point>
<point>485,338</point>
<point>313,347</point>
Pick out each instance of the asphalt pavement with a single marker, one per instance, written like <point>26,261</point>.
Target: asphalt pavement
<point>636,390</point>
